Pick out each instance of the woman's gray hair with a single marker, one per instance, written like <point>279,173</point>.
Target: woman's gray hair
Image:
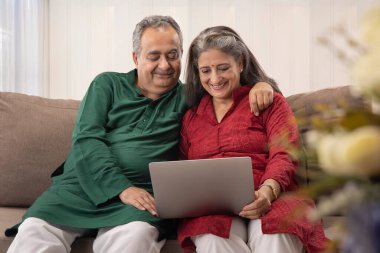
<point>228,41</point>
<point>154,21</point>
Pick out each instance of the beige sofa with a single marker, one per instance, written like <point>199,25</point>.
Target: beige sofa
<point>35,135</point>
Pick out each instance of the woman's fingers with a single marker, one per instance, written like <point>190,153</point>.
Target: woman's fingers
<point>256,209</point>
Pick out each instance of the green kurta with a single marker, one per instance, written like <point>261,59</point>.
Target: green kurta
<point>118,132</point>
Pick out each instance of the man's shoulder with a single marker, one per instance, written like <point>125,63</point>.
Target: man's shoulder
<point>111,79</point>
<point>110,75</point>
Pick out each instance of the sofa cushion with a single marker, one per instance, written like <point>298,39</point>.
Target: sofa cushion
<point>35,138</point>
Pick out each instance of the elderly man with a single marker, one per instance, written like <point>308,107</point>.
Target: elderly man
<point>125,121</point>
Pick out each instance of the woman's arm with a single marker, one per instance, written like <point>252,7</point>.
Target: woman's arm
<point>282,134</point>
<point>279,174</point>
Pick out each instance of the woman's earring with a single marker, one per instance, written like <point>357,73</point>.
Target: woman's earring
<point>241,70</point>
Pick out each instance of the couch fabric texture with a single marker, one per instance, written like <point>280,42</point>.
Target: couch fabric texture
<point>35,138</point>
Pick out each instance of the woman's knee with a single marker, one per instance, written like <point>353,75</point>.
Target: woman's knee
<point>260,242</point>
<point>205,242</point>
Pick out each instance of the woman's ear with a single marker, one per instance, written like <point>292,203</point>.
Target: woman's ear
<point>241,65</point>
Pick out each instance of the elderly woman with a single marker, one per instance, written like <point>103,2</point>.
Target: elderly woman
<point>219,67</point>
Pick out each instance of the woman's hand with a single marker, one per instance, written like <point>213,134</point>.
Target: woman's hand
<point>257,208</point>
<point>139,198</point>
<point>260,97</point>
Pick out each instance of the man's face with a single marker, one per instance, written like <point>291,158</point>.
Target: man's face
<point>159,63</point>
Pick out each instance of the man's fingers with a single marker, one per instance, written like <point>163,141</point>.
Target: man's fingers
<point>152,199</point>
<point>266,99</point>
<point>149,204</point>
<point>138,205</point>
<point>270,97</point>
<point>253,103</point>
<point>260,99</point>
<point>143,205</point>
<point>140,199</point>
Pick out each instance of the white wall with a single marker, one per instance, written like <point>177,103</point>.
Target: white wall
<point>91,36</point>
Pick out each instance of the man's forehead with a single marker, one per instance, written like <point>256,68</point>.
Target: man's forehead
<point>160,51</point>
<point>160,35</point>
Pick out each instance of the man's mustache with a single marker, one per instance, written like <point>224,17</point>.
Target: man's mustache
<point>164,72</point>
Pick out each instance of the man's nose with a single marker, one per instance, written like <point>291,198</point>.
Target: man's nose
<point>163,64</point>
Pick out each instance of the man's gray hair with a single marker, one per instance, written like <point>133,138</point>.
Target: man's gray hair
<point>154,21</point>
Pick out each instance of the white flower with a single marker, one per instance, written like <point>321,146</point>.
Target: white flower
<point>371,26</point>
<point>366,69</point>
<point>325,151</point>
<point>313,137</point>
<point>339,201</point>
<point>367,74</point>
<point>355,153</point>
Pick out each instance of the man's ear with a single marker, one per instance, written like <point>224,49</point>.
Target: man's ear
<point>134,56</point>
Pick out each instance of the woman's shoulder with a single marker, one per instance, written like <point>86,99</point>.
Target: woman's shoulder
<point>190,114</point>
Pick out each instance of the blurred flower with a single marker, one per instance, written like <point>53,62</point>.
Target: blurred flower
<point>344,144</point>
<point>355,153</point>
<point>367,74</point>
<point>371,26</point>
<point>366,68</point>
<point>348,195</point>
<point>364,227</point>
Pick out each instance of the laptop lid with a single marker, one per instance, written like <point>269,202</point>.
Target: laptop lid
<point>192,188</point>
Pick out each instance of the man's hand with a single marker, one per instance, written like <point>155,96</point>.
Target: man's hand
<point>260,97</point>
<point>139,198</point>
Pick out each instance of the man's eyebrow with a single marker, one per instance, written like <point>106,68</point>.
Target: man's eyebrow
<point>154,52</point>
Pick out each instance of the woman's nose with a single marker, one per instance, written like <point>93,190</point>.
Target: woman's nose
<point>214,77</point>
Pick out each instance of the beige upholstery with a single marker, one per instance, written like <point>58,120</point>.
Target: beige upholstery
<point>35,135</point>
<point>34,139</point>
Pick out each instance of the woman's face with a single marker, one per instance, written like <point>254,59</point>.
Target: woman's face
<point>219,73</point>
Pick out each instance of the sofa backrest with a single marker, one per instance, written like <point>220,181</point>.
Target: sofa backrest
<point>35,136</point>
<point>306,104</point>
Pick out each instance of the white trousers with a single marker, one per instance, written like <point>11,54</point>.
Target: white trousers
<point>251,241</point>
<point>38,236</point>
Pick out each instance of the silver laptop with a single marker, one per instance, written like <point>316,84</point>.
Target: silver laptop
<point>193,188</point>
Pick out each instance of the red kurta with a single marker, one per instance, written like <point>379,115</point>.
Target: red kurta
<point>240,133</point>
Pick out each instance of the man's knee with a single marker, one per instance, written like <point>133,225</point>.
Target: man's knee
<point>135,236</point>
<point>142,230</point>
<point>32,225</point>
